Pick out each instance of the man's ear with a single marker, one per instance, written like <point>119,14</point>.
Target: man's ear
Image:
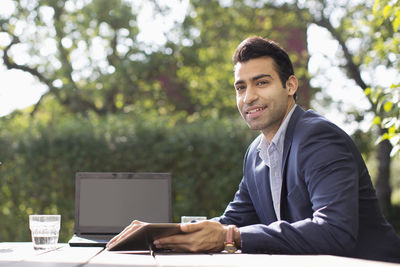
<point>291,85</point>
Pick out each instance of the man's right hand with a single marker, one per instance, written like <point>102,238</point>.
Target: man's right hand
<point>129,229</point>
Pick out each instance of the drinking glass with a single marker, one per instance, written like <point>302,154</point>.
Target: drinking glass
<point>189,219</point>
<point>45,230</point>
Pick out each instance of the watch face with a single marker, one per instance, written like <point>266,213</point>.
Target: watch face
<point>230,248</point>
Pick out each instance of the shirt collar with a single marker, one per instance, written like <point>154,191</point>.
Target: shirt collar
<point>279,137</point>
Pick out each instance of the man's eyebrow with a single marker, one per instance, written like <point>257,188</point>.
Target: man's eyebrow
<point>261,76</point>
<point>255,78</point>
<point>238,82</point>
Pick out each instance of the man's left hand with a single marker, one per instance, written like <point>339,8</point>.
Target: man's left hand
<point>204,236</point>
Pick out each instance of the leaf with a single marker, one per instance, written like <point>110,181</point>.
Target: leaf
<point>386,11</point>
<point>377,121</point>
<point>396,22</point>
<point>391,131</point>
<point>375,7</point>
<point>388,106</point>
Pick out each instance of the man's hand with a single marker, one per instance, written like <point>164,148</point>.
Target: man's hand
<point>204,236</point>
<point>129,229</point>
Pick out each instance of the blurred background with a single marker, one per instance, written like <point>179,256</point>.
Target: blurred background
<point>147,86</point>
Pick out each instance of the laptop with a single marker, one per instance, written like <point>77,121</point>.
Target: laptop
<point>107,202</point>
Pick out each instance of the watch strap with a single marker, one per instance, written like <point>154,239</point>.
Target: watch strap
<point>229,243</point>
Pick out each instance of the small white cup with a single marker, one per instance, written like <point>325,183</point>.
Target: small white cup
<point>45,230</point>
<point>188,219</point>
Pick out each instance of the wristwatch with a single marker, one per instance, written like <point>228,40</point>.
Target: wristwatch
<point>229,243</point>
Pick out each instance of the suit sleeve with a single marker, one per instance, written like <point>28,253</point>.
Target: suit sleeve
<point>326,161</point>
<point>240,211</point>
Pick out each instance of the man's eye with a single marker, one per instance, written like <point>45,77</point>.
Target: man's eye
<point>238,88</point>
<point>262,82</point>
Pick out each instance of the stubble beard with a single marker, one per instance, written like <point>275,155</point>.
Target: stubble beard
<point>264,123</point>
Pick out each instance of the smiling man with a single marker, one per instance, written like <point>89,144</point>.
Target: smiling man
<point>262,99</point>
<point>305,187</point>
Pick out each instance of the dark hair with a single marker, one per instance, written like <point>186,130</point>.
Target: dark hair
<point>256,47</point>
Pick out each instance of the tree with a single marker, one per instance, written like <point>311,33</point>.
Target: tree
<point>86,53</point>
<point>89,56</point>
<point>211,32</point>
<point>356,37</point>
<point>386,22</point>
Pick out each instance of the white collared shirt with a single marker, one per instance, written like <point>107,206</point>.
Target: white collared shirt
<point>272,154</point>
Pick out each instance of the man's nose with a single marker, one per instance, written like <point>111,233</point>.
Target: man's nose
<point>250,95</point>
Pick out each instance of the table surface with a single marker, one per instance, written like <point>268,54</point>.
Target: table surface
<point>23,254</point>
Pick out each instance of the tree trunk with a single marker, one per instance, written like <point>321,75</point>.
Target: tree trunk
<point>382,186</point>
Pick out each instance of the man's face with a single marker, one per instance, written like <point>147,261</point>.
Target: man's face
<point>261,98</point>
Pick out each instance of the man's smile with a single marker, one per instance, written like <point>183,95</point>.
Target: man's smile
<point>254,111</point>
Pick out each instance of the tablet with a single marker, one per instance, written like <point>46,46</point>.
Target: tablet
<point>143,237</point>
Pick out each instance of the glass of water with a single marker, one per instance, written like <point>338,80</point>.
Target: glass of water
<point>45,230</point>
<point>189,219</point>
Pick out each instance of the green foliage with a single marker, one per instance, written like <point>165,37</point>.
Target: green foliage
<point>93,61</point>
<point>386,24</point>
<point>390,108</point>
<point>41,155</point>
<point>214,30</point>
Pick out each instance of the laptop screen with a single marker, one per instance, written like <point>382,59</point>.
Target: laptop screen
<point>108,202</point>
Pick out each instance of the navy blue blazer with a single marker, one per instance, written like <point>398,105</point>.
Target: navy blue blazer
<point>328,203</point>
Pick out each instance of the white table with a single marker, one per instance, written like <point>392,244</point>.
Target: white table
<point>23,254</point>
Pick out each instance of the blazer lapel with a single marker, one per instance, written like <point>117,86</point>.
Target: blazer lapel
<point>298,112</point>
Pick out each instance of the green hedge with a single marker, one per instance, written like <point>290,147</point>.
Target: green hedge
<point>40,160</point>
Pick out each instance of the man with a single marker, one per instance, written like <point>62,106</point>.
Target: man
<point>305,187</point>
